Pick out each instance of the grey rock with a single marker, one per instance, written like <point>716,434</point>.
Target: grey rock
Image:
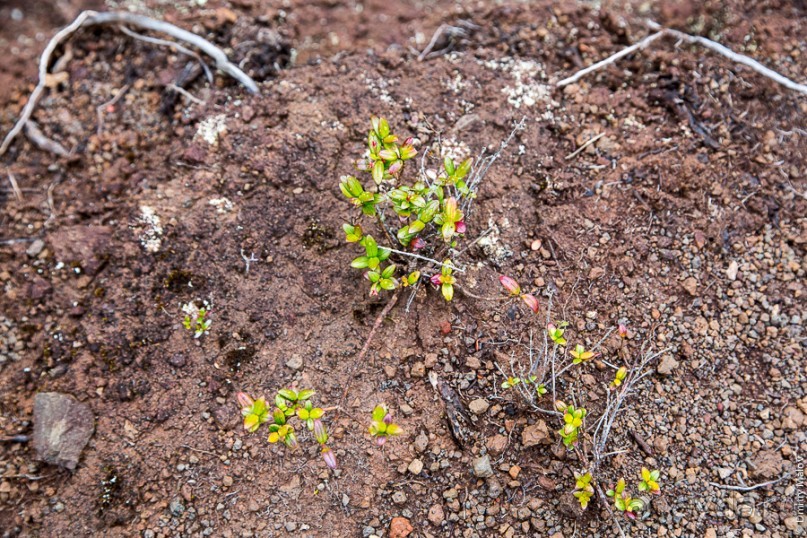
<point>176,507</point>
<point>295,362</point>
<point>35,248</point>
<point>62,428</point>
<point>482,468</point>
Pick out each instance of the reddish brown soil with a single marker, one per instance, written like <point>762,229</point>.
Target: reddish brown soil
<point>611,223</point>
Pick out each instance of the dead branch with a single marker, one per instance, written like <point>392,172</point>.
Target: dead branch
<point>463,29</point>
<point>751,488</point>
<point>693,40</point>
<point>93,18</point>
<point>35,135</point>
<point>14,187</point>
<point>171,44</point>
<point>100,109</point>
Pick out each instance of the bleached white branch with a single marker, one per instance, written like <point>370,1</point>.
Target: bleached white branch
<point>694,40</point>
<point>94,18</point>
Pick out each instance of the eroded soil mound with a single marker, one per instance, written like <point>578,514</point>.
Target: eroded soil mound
<point>686,218</point>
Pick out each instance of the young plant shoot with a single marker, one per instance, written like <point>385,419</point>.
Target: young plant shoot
<point>422,215</point>
<point>290,405</point>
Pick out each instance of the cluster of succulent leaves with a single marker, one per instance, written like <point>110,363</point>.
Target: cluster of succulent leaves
<point>426,210</point>
<point>290,404</point>
<point>623,501</point>
<point>197,322</point>
<point>649,482</point>
<point>572,423</point>
<point>583,489</point>
<point>382,427</point>
<point>510,382</point>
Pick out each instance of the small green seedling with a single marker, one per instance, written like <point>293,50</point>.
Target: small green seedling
<point>426,211</point>
<point>583,488</point>
<point>382,426</point>
<point>623,501</point>
<point>556,332</point>
<point>196,319</point>
<point>580,354</point>
<point>255,412</point>
<point>649,481</point>
<point>619,377</point>
<point>445,280</point>
<point>572,422</point>
<point>511,382</point>
<point>514,290</point>
<point>289,404</point>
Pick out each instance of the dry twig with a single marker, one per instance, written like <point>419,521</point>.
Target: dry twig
<point>35,135</point>
<point>751,488</point>
<point>93,18</point>
<point>363,353</point>
<point>692,40</point>
<point>101,108</point>
<point>14,187</point>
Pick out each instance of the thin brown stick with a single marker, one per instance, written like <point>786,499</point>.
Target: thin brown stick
<point>93,18</point>
<point>585,144</point>
<point>376,325</point>
<point>642,443</point>
<point>185,93</point>
<point>14,187</point>
<point>171,44</point>
<point>100,109</point>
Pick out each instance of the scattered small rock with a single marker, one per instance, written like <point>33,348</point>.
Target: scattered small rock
<point>62,428</point>
<point>496,444</point>
<point>436,515</point>
<point>400,527</point>
<point>667,364</point>
<point>691,286</point>
<point>421,442</point>
<point>295,362</point>
<point>35,248</point>
<point>479,406</point>
<point>767,464</point>
<point>482,468</point>
<point>536,434</point>
<point>176,507</point>
<point>732,270</point>
<point>415,466</point>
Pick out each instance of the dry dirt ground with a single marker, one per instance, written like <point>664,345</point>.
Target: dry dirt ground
<point>686,219</point>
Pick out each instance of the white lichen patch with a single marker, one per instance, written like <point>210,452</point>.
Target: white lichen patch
<point>150,238</point>
<point>631,123</point>
<point>455,84</point>
<point>211,128</point>
<point>222,205</point>
<point>380,87</point>
<point>492,245</point>
<point>457,150</point>
<point>529,88</point>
